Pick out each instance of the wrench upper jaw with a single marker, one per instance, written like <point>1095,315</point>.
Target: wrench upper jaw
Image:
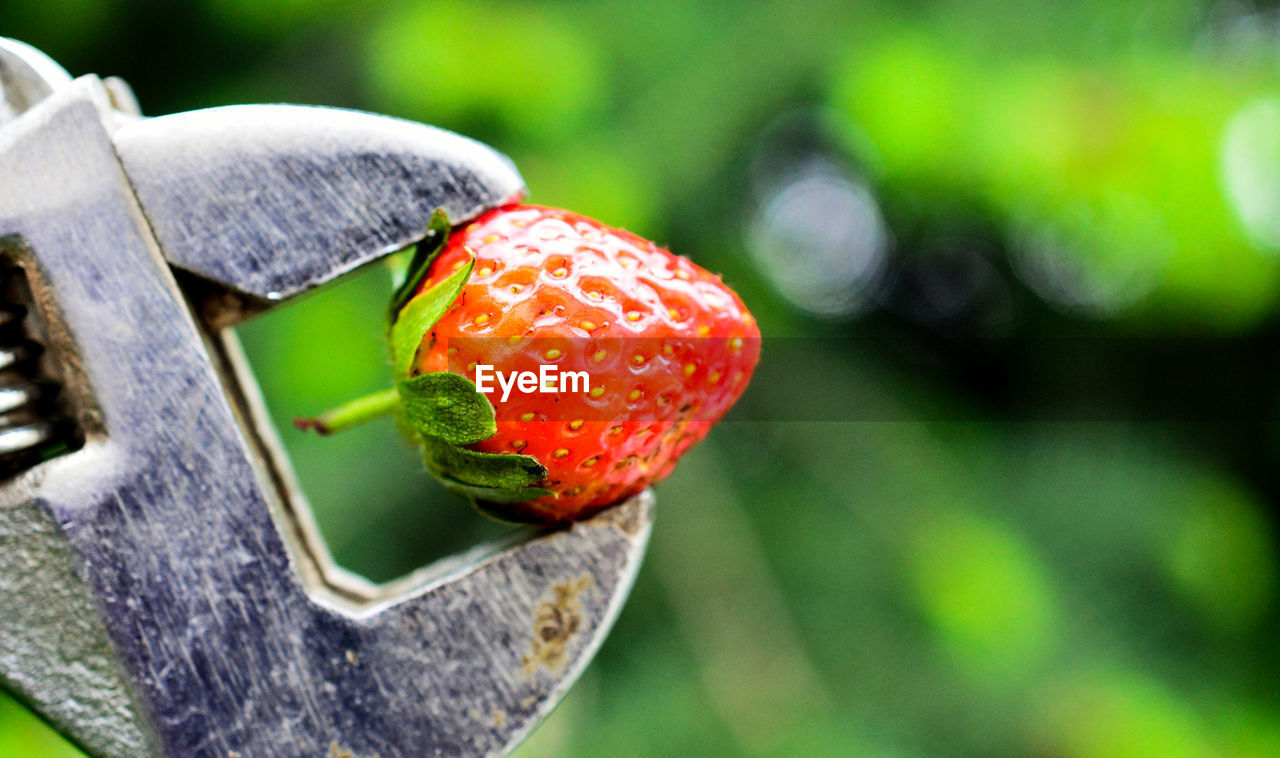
<point>270,201</point>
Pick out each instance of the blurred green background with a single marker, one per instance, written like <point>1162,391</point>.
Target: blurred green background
<point>960,564</point>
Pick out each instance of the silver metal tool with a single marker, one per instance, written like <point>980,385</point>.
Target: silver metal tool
<point>163,589</point>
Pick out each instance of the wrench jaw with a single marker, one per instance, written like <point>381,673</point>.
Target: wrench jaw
<point>270,201</point>
<point>219,623</point>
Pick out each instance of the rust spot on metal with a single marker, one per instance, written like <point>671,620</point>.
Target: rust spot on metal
<point>499,718</point>
<point>339,752</point>
<point>555,624</point>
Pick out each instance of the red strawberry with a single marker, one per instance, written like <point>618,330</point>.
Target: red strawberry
<point>666,347</point>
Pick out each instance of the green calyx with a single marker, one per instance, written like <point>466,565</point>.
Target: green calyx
<point>447,406</point>
<point>496,471</point>
<point>442,410</point>
<point>419,315</point>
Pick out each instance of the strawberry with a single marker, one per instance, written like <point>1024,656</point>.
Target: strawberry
<point>665,347</point>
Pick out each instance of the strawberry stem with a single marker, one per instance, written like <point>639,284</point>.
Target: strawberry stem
<point>352,413</point>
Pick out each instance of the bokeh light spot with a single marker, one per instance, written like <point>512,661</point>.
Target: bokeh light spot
<point>1251,169</point>
<point>820,239</point>
<point>533,72</point>
<point>1116,714</point>
<point>987,594</point>
<point>1092,258</point>
<point>595,180</point>
<point>1221,557</point>
<point>909,96</point>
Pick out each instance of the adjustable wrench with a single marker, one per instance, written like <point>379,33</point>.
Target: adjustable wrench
<point>163,588</point>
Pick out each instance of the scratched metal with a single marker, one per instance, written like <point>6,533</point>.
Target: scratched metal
<point>229,633</point>
<point>54,650</point>
<point>370,184</point>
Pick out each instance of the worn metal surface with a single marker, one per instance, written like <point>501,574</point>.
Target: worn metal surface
<point>271,200</point>
<point>27,76</point>
<point>221,626</point>
<point>54,649</point>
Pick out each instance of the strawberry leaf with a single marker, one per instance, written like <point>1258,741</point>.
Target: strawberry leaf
<point>472,467</point>
<point>446,405</point>
<point>419,315</point>
<point>424,253</point>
